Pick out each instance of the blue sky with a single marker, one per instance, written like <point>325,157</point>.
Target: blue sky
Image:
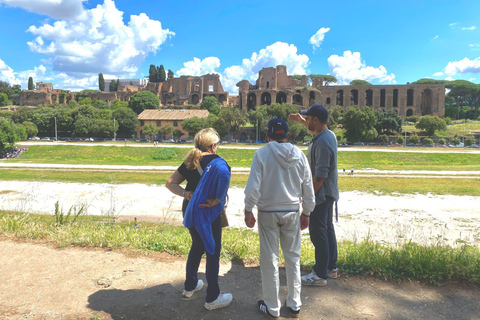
<point>68,42</point>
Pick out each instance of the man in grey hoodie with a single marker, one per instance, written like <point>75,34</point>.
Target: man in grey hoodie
<point>280,181</point>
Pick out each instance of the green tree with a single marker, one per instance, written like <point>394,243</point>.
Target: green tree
<point>413,119</point>
<point>113,86</point>
<point>117,103</point>
<point>10,133</point>
<point>429,81</point>
<point>21,114</point>
<point>233,119</point>
<point>455,141</point>
<point>335,115</point>
<point>117,84</point>
<point>469,141</point>
<point>82,126</point>
<point>359,82</point>
<point>216,123</point>
<point>126,119</point>
<point>427,141</point>
<point>359,124</point>
<point>144,100</point>
<point>30,84</point>
<point>152,73</point>
<point>4,100</point>
<point>388,121</point>
<point>400,140</point>
<point>102,128</point>
<point>170,74</point>
<point>414,139</point>
<point>166,130</point>
<point>383,138</point>
<point>441,141</point>
<point>177,133</point>
<point>162,74</point>
<point>430,124</point>
<point>30,128</point>
<point>210,104</point>
<point>328,79</point>
<point>101,82</point>
<point>150,129</point>
<point>193,125</point>
<point>44,119</point>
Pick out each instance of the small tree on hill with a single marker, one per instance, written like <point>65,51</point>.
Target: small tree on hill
<point>383,138</point>
<point>359,82</point>
<point>427,141</point>
<point>166,130</point>
<point>441,141</point>
<point>101,82</point>
<point>144,100</point>
<point>414,139</point>
<point>455,141</point>
<point>170,74</point>
<point>400,140</point>
<point>162,74</point>
<point>112,86</point>
<point>469,141</point>
<point>431,124</point>
<point>30,84</point>
<point>152,73</point>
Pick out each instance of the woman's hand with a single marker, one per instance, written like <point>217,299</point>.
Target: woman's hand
<point>210,203</point>
<point>188,195</point>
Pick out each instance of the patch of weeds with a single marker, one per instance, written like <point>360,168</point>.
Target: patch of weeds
<point>62,219</point>
<point>165,154</point>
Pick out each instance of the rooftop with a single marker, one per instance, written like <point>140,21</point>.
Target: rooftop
<point>171,114</point>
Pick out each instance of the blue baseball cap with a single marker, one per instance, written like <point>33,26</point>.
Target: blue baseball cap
<point>277,128</point>
<point>316,110</point>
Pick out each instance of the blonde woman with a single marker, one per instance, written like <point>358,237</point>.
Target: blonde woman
<point>208,178</point>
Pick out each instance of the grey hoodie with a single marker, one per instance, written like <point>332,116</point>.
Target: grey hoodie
<point>280,180</point>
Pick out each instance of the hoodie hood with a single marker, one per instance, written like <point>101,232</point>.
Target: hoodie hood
<point>285,153</point>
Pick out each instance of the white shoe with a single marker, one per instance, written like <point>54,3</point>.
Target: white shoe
<point>189,294</point>
<point>223,300</point>
<point>312,280</point>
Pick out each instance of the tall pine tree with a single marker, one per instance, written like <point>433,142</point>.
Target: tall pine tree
<point>162,73</point>
<point>30,84</point>
<point>101,82</point>
<point>112,86</point>
<point>117,85</point>
<point>170,74</point>
<point>152,74</point>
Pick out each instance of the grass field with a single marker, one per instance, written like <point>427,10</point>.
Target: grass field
<point>432,264</point>
<point>384,185</point>
<point>101,155</point>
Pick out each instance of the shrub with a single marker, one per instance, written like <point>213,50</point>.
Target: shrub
<point>165,154</point>
<point>469,140</point>
<point>400,140</point>
<point>383,138</point>
<point>413,119</point>
<point>448,121</point>
<point>427,141</point>
<point>455,141</point>
<point>441,141</point>
<point>414,139</point>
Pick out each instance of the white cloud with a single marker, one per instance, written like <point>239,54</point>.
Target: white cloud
<point>57,9</point>
<point>472,79</point>
<point>198,67</point>
<point>470,28</point>
<point>463,66</point>
<point>7,74</point>
<point>452,24</point>
<point>438,74</point>
<point>449,79</point>
<point>434,38</point>
<point>350,67</point>
<point>98,41</point>
<point>317,39</point>
<point>279,53</point>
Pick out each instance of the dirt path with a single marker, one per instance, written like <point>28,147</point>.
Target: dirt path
<point>40,281</point>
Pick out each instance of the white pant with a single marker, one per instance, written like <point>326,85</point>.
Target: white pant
<point>272,227</point>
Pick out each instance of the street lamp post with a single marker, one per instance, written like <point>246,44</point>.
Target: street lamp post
<point>114,131</point>
<point>56,138</point>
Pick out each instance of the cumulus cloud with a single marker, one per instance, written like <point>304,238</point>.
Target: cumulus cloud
<point>470,28</point>
<point>452,25</point>
<point>438,74</point>
<point>279,53</point>
<point>317,39</point>
<point>350,67</point>
<point>435,38</point>
<point>198,67</point>
<point>98,41</point>
<point>463,66</point>
<point>7,74</point>
<point>57,9</point>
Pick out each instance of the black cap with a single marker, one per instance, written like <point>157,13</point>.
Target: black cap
<point>277,128</point>
<point>316,110</point>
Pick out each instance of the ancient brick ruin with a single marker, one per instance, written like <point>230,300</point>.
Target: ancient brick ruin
<point>274,85</point>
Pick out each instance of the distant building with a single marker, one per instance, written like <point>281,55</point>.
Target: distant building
<point>126,82</point>
<point>165,117</point>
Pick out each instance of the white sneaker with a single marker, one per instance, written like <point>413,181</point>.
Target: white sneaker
<point>312,280</point>
<point>333,273</point>
<point>189,294</point>
<point>223,300</point>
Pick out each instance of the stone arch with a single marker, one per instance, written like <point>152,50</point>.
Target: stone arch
<point>354,97</point>
<point>312,98</point>
<point>194,99</point>
<point>221,99</point>
<point>266,98</point>
<point>410,93</point>
<point>409,112</point>
<point>395,98</point>
<point>213,95</point>
<point>427,102</point>
<point>298,99</point>
<point>251,101</point>
<point>340,98</point>
<point>369,97</point>
<point>281,97</point>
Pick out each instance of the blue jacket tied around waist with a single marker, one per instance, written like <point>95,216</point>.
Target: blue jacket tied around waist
<point>213,185</point>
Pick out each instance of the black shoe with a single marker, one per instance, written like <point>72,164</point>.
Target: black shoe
<point>264,310</point>
<point>293,313</point>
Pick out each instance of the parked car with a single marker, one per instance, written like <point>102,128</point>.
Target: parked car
<point>428,145</point>
<point>306,143</point>
<point>359,144</point>
<point>472,146</point>
<point>411,145</point>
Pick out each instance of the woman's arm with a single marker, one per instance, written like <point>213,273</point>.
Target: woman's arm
<point>173,184</point>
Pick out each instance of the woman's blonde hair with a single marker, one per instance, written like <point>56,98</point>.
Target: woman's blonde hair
<point>204,139</point>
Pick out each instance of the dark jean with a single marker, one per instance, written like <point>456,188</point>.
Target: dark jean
<point>213,261</point>
<point>323,238</point>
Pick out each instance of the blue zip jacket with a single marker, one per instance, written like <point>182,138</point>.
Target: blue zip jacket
<point>213,185</point>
